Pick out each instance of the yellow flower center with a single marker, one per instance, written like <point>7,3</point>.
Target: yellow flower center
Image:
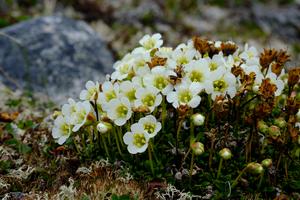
<point>160,82</point>
<point>149,100</point>
<point>122,111</point>
<point>182,60</point>
<point>149,44</point>
<point>149,128</point>
<point>110,95</point>
<point>213,66</point>
<point>131,95</point>
<point>185,96</point>
<point>196,76</point>
<point>124,69</point>
<point>139,140</point>
<point>65,129</point>
<point>220,85</point>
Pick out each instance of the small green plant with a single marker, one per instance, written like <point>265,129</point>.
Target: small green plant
<point>205,114</point>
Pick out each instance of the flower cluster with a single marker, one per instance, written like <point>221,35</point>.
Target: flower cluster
<point>152,75</point>
<point>196,99</point>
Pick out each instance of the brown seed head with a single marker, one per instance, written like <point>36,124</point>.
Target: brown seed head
<point>157,61</point>
<point>293,76</point>
<point>228,48</point>
<point>267,89</point>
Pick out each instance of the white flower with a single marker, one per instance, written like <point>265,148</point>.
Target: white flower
<point>83,109</point>
<point>61,130</point>
<point>164,52</point>
<point>140,66</point>
<point>69,111</point>
<point>128,89</point>
<point>198,119</point>
<point>223,82</point>
<point>109,91</point>
<point>137,140</point>
<point>215,62</point>
<point>180,57</point>
<point>250,55</point>
<point>198,73</point>
<point>119,110</point>
<point>298,115</point>
<point>158,78</point>
<point>185,94</point>
<point>123,68</point>
<point>91,90</point>
<point>151,42</point>
<point>148,97</point>
<point>150,125</point>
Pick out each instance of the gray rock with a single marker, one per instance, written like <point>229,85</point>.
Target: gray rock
<point>52,55</point>
<point>279,20</point>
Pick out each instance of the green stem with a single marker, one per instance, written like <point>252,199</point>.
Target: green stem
<point>192,165</point>
<point>151,161</point>
<point>152,148</point>
<point>105,147</point>
<point>235,182</point>
<point>117,141</point>
<point>192,131</point>
<point>163,113</point>
<point>260,180</point>
<point>120,135</point>
<point>220,167</point>
<point>76,146</point>
<point>177,135</point>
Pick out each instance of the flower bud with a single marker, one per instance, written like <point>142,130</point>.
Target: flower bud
<point>262,127</point>
<point>298,115</point>
<point>225,153</point>
<point>280,122</point>
<point>255,168</point>
<point>56,114</point>
<point>198,119</point>
<point>274,131</point>
<point>197,148</point>
<point>104,127</point>
<point>266,163</point>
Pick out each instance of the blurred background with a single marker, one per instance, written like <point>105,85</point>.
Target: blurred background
<point>121,23</point>
<point>265,23</point>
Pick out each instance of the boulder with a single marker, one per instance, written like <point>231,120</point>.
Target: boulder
<point>52,55</point>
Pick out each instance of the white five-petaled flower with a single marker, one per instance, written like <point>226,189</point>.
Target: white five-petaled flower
<point>140,66</point>
<point>150,125</point>
<point>128,89</point>
<point>148,97</point>
<point>62,130</point>
<point>109,91</point>
<point>150,42</point>
<point>69,111</point>
<point>119,110</point>
<point>250,55</point>
<point>185,94</point>
<point>137,140</point>
<point>159,78</point>
<point>181,57</point>
<point>91,90</point>
<point>198,73</point>
<point>123,68</point>
<point>216,61</point>
<point>224,82</point>
<point>83,109</point>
